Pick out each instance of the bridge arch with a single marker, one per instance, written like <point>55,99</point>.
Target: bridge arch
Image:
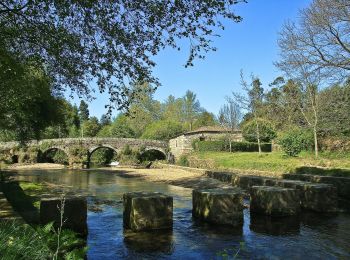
<point>152,154</point>
<point>95,148</point>
<point>44,155</point>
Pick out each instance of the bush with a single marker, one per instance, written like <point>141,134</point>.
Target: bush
<point>183,161</point>
<point>267,131</point>
<point>222,146</point>
<point>295,140</point>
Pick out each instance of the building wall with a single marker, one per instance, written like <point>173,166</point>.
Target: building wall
<point>182,144</point>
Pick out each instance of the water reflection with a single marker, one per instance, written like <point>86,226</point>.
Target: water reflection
<point>275,226</point>
<point>157,241</point>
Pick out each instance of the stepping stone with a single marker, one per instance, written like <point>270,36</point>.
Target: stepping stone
<point>147,211</point>
<point>74,213</point>
<point>274,201</point>
<point>218,206</point>
<point>341,183</point>
<point>247,181</point>
<point>314,196</point>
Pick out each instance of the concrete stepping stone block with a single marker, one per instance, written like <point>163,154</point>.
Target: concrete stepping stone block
<point>247,181</point>
<point>74,213</point>
<point>274,201</point>
<point>314,196</point>
<point>218,206</point>
<point>147,211</point>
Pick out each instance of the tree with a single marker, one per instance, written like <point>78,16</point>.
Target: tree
<point>205,118</point>
<point>163,130</point>
<point>27,104</point>
<point>266,131</point>
<point>252,102</point>
<point>112,42</point>
<point>173,109</point>
<point>84,111</point>
<point>90,127</point>
<point>334,110</point>
<point>320,41</point>
<point>230,116</point>
<point>191,108</point>
<point>105,120</point>
<point>119,128</point>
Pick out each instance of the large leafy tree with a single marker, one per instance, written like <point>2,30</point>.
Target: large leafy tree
<point>27,104</point>
<point>112,42</point>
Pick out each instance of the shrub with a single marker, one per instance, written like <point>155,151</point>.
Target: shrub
<point>183,161</point>
<point>295,140</point>
<point>217,146</point>
<point>267,131</point>
<point>291,143</point>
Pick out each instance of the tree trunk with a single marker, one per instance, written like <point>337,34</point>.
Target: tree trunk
<point>230,141</point>
<point>258,135</point>
<point>316,142</point>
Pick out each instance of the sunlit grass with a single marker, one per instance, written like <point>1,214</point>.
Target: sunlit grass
<point>273,162</point>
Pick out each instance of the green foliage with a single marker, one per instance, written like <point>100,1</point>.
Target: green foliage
<point>120,128</point>
<point>78,154</point>
<point>19,241</point>
<point>27,103</point>
<point>295,140</point>
<point>56,156</point>
<point>162,130</point>
<point>102,156</point>
<point>266,130</point>
<point>83,111</point>
<point>129,156</point>
<point>183,161</point>
<point>71,55</point>
<point>223,146</point>
<point>90,127</point>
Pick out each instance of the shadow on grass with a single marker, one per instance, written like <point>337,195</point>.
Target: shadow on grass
<point>21,202</point>
<point>323,171</point>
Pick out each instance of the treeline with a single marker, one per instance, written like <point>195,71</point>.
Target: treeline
<point>300,116</point>
<point>146,118</point>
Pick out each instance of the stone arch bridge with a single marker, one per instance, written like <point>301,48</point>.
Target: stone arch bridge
<point>78,150</point>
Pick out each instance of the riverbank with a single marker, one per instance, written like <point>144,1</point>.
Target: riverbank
<point>35,166</point>
<point>173,176</point>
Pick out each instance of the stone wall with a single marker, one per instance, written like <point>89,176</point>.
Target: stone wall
<point>182,144</point>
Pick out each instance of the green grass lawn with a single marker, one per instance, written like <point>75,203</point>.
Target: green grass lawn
<point>275,162</point>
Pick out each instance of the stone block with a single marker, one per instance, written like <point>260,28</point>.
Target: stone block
<point>221,176</point>
<point>274,201</point>
<point>300,177</point>
<point>342,184</point>
<point>247,181</point>
<point>314,196</point>
<point>218,206</point>
<point>74,213</point>
<point>147,211</point>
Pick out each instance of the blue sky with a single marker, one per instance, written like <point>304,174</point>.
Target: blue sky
<point>250,45</point>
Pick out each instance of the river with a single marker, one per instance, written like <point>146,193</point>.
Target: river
<point>308,236</point>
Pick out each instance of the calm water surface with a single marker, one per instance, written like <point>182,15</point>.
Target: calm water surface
<point>309,236</point>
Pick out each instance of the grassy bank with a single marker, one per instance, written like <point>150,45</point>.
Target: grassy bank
<point>275,162</point>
